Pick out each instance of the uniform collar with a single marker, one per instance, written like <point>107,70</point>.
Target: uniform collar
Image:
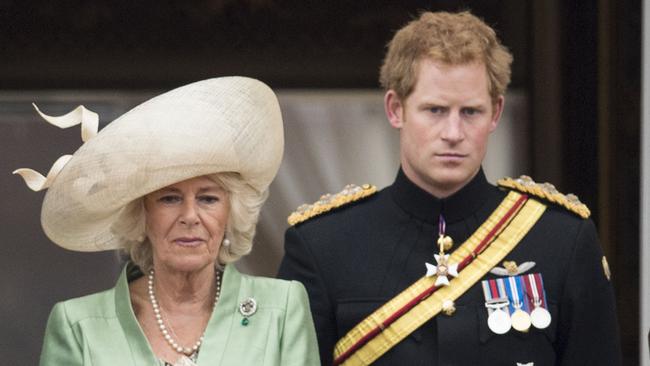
<point>427,207</point>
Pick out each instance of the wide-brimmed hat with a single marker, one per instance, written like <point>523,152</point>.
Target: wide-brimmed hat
<point>228,124</point>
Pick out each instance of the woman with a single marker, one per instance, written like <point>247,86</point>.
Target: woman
<point>176,183</point>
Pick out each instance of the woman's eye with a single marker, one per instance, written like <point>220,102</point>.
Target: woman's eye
<point>209,199</point>
<point>169,199</point>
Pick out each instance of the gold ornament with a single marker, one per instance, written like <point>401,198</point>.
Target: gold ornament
<point>446,242</point>
<point>448,307</point>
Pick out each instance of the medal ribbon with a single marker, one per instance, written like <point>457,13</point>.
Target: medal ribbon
<point>502,293</point>
<point>536,297</point>
<point>442,226</point>
<point>511,289</point>
<point>495,294</point>
<point>487,293</point>
<point>511,292</point>
<point>516,294</point>
<point>540,315</point>
<point>522,294</point>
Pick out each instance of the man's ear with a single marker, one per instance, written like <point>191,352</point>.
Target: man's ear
<point>394,108</point>
<point>496,113</point>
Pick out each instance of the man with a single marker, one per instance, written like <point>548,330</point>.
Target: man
<point>441,267</point>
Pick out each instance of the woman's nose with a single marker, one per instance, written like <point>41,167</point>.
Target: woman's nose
<point>189,215</point>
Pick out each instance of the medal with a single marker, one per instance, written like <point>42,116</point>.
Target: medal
<point>499,321</point>
<point>497,303</point>
<point>520,319</point>
<point>540,316</point>
<point>443,269</point>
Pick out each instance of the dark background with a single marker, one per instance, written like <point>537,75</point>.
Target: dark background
<point>578,62</point>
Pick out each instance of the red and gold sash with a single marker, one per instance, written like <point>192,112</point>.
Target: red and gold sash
<point>421,301</point>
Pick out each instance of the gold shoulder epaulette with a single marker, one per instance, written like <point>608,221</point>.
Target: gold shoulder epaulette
<point>547,191</point>
<point>328,202</point>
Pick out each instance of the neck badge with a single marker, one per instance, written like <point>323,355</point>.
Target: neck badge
<point>443,269</point>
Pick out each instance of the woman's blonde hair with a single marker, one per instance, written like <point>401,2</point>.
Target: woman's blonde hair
<point>245,205</point>
<point>449,38</point>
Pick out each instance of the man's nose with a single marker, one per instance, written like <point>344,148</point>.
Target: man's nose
<point>453,128</point>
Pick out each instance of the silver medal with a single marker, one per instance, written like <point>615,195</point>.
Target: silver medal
<point>499,322</point>
<point>540,318</point>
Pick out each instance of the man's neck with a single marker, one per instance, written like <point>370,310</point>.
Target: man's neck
<point>436,190</point>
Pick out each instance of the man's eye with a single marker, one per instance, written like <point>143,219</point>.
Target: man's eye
<point>470,111</point>
<point>436,110</point>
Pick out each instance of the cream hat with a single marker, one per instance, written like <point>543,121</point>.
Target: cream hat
<point>228,124</point>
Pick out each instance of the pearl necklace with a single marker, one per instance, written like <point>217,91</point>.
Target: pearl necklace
<point>163,329</point>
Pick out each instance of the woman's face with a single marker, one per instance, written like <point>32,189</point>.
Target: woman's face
<point>186,222</point>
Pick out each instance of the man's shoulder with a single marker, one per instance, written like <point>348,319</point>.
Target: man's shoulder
<point>353,202</point>
<point>560,204</point>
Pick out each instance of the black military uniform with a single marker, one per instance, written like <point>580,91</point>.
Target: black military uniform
<point>355,258</point>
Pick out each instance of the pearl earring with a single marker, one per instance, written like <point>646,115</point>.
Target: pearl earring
<point>226,242</point>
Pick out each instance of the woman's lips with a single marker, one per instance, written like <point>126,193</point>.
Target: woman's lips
<point>188,242</point>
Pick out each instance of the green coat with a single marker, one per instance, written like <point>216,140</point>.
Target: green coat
<point>101,329</point>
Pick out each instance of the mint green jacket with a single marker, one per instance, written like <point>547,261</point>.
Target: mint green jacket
<point>101,329</point>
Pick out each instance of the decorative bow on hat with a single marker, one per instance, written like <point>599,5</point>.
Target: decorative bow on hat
<point>89,121</point>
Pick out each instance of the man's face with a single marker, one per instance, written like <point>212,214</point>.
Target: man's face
<point>444,125</point>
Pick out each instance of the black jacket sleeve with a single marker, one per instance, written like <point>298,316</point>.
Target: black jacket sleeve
<point>588,331</point>
<point>299,264</point>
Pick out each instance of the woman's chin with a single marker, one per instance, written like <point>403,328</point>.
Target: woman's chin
<point>189,263</point>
